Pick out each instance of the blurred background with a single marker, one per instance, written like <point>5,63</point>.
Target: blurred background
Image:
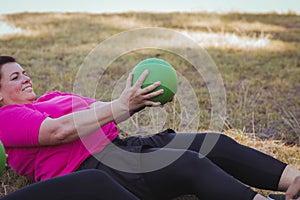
<point>100,6</point>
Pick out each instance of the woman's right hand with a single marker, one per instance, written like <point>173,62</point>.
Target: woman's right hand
<point>134,98</point>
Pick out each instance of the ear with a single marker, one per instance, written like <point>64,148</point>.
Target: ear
<point>1,98</point>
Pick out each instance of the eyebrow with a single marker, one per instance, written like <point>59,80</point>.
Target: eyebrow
<point>17,73</point>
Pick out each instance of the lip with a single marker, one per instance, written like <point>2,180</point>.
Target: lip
<point>28,86</point>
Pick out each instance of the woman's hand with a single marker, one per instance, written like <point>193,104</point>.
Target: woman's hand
<point>134,98</point>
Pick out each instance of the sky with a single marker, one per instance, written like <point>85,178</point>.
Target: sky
<point>108,6</point>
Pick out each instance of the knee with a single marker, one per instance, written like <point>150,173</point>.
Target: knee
<point>193,160</point>
<point>224,145</point>
<point>226,141</point>
<point>220,140</point>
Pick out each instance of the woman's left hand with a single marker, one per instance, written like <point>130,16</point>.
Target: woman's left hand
<point>135,98</point>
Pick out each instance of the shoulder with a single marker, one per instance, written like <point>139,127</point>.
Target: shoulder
<point>51,95</point>
<point>13,116</point>
<point>20,113</point>
<point>14,109</point>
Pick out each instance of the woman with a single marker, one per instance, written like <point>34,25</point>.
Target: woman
<point>60,133</point>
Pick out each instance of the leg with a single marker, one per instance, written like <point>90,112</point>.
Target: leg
<point>193,175</point>
<point>86,184</point>
<point>246,164</point>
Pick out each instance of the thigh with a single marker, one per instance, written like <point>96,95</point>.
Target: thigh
<point>166,177</point>
<point>184,141</point>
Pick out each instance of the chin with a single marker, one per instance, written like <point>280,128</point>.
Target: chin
<point>31,98</point>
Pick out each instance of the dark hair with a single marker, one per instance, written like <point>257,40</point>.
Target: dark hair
<point>4,60</point>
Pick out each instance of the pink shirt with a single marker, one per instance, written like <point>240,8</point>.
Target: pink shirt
<point>19,129</point>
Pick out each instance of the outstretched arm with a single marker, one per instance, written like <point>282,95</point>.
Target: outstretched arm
<point>72,126</point>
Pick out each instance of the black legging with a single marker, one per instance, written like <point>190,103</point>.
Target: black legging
<point>86,184</point>
<point>216,176</point>
<point>213,176</point>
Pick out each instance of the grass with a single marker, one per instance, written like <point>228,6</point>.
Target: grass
<point>257,55</point>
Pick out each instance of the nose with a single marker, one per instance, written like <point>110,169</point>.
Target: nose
<point>25,78</point>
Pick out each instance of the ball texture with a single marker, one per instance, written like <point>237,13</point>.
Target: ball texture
<point>2,158</point>
<point>159,70</point>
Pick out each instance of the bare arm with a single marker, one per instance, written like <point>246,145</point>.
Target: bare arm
<point>98,104</point>
<point>72,126</point>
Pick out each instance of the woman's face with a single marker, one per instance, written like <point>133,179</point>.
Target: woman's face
<point>16,86</point>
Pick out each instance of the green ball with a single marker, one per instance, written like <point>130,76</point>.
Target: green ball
<point>159,70</point>
<point>2,158</point>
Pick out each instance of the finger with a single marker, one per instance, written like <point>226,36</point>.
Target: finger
<point>150,87</point>
<point>129,80</point>
<point>154,94</point>
<point>152,103</point>
<point>141,79</point>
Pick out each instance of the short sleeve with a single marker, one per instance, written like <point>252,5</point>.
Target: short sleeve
<point>20,124</point>
<point>86,99</point>
<point>50,95</point>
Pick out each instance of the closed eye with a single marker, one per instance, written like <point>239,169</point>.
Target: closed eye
<point>14,78</point>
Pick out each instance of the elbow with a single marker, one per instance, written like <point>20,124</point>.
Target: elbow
<point>61,134</point>
<point>55,132</point>
<point>64,133</point>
